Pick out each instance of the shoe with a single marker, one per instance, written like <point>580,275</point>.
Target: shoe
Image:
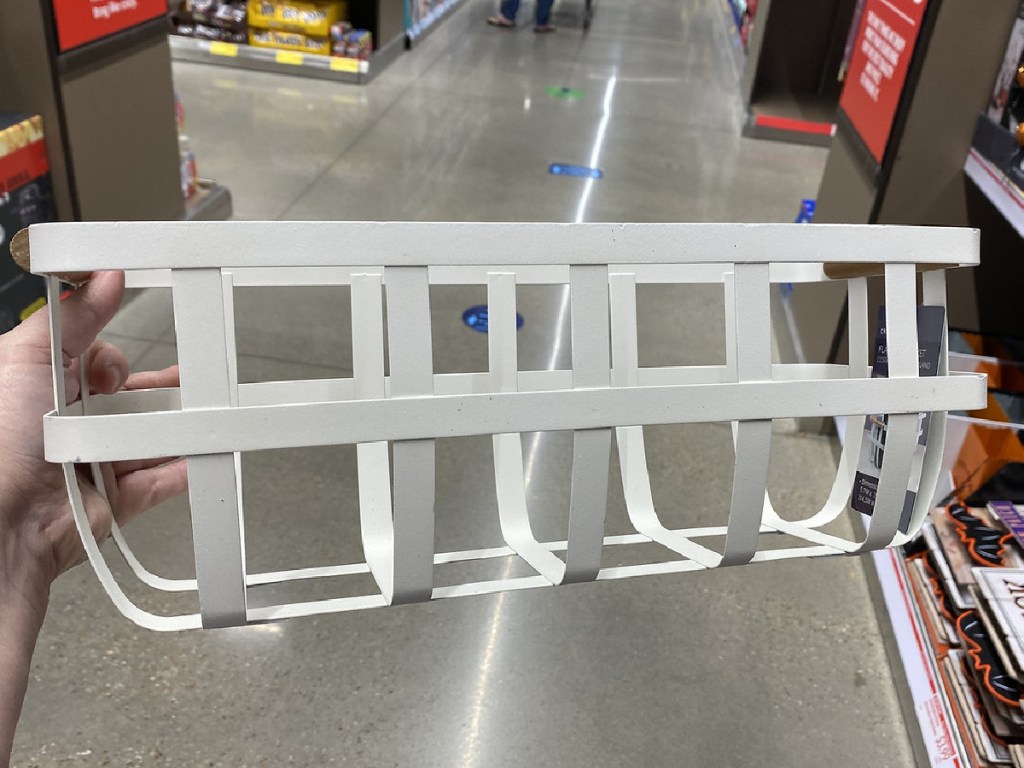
<point>544,28</point>
<point>501,21</point>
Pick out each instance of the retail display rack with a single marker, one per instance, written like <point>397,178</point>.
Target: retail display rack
<point>423,16</point>
<point>245,56</point>
<point>744,16</point>
<point>325,39</point>
<point>996,185</point>
<point>791,79</point>
<point>102,88</point>
<point>940,145</point>
<point>995,163</point>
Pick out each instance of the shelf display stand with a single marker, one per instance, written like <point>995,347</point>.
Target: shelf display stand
<point>385,20</point>
<point>995,195</point>
<point>790,82</point>
<point>743,14</point>
<point>902,155</point>
<point>423,16</point>
<point>939,736</point>
<point>1006,196</point>
<point>909,170</point>
<point>103,90</point>
<point>243,56</point>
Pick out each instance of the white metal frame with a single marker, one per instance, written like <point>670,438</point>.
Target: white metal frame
<point>210,419</point>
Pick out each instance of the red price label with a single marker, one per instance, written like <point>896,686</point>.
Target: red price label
<point>878,68</point>
<point>83,21</point>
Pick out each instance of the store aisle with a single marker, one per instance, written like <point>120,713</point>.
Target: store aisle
<point>463,128</point>
<point>768,665</point>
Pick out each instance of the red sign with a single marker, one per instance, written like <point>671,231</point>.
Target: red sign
<point>83,21</point>
<point>878,68</point>
<point>22,166</point>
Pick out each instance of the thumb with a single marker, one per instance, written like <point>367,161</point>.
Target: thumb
<point>86,311</point>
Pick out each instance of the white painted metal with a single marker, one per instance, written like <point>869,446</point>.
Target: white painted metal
<point>205,355</point>
<point>410,353</point>
<point>751,297</point>
<point>933,286</point>
<point>211,418</point>
<point>231,244</point>
<point>249,277</point>
<point>509,475</point>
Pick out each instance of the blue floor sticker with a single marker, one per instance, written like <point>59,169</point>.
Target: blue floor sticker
<point>563,169</point>
<point>476,318</point>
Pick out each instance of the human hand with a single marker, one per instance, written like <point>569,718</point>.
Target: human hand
<point>38,538</point>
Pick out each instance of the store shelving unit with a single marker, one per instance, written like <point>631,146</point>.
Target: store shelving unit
<point>1006,196</point>
<point>243,56</point>
<point>210,202</point>
<point>385,19</point>
<point>936,737</point>
<point>937,727</point>
<point>736,47</point>
<point>920,180</point>
<point>790,82</point>
<point>106,98</point>
<point>809,120</point>
<point>417,31</point>
<point>924,178</point>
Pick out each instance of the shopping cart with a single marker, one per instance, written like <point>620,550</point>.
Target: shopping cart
<point>395,419</point>
<point>581,13</point>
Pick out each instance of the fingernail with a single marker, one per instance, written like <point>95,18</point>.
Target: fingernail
<point>116,374</point>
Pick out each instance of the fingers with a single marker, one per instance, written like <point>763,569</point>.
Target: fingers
<point>97,510</point>
<point>144,489</point>
<point>89,309</point>
<point>120,468</point>
<point>67,548</point>
<point>107,367</point>
<point>168,377</point>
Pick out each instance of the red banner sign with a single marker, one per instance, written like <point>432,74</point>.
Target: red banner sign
<point>83,21</point>
<point>22,166</point>
<point>878,68</point>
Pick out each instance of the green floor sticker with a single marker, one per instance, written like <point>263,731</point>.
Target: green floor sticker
<point>569,94</point>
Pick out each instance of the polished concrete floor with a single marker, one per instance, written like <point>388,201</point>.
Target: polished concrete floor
<point>768,665</point>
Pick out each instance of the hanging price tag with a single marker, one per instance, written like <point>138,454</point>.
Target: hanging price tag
<point>344,64</point>
<point>289,57</point>
<point>217,48</point>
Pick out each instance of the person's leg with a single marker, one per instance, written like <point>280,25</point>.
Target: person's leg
<point>509,9</point>
<point>544,12</point>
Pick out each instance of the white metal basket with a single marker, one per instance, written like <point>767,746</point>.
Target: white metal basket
<point>212,418</point>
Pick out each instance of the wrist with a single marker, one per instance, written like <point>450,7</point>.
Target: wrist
<point>24,595</point>
<point>24,577</point>
<point>24,592</point>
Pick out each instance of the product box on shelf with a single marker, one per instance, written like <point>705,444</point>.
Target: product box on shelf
<point>187,158</point>
<point>967,581</point>
<point>215,20</point>
<point>289,41</point>
<point>1003,90</point>
<point>26,197</point>
<point>351,43</point>
<point>308,18</point>
<point>869,467</point>
<point>999,131</point>
<point>221,13</point>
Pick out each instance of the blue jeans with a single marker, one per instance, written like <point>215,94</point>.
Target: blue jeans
<point>509,9</point>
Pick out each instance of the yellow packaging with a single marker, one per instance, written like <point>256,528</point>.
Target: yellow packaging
<point>289,41</point>
<point>20,135</point>
<point>309,18</point>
